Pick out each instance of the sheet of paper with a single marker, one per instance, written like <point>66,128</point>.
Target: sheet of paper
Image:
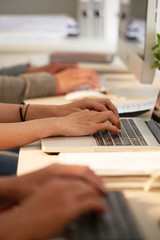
<point>55,22</point>
<point>116,162</point>
<point>36,27</point>
<point>136,106</point>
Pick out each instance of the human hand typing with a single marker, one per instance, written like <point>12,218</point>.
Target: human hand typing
<point>71,79</point>
<point>26,185</point>
<point>87,122</point>
<point>101,104</point>
<point>52,68</point>
<point>50,209</point>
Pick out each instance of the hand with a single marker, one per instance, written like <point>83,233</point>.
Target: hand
<point>51,208</point>
<point>27,184</point>
<point>102,104</point>
<point>86,123</point>
<point>71,79</point>
<point>52,68</point>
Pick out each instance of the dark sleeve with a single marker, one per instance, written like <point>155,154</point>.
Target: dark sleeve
<point>16,89</point>
<point>15,70</point>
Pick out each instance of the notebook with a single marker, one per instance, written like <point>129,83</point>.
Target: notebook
<point>136,135</point>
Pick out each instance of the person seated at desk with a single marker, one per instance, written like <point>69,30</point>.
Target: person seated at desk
<point>43,203</point>
<point>79,118</point>
<point>24,81</point>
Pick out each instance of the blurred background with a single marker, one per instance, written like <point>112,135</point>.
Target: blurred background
<point>31,31</point>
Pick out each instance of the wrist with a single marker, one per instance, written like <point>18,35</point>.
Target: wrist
<point>9,188</point>
<point>52,110</point>
<point>31,69</point>
<point>15,224</point>
<point>58,90</point>
<point>51,127</point>
<point>64,110</point>
<point>40,111</point>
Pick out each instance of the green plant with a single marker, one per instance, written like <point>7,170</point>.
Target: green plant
<point>156,49</point>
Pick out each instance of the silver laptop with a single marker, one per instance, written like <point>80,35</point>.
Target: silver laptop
<point>136,135</point>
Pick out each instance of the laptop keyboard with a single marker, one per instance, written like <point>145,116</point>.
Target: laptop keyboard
<point>130,135</point>
<point>116,224</point>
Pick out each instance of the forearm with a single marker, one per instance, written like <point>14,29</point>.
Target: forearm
<point>7,188</point>
<point>19,134</point>
<point>24,223</point>
<point>39,85</point>
<point>15,225</point>
<point>15,70</point>
<point>16,89</point>
<point>11,112</point>
<point>42,111</point>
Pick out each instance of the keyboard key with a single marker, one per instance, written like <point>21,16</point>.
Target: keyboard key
<point>138,133</point>
<point>135,142</point>
<point>117,224</point>
<point>116,139</point>
<point>125,139</point>
<point>130,132</point>
<point>107,139</point>
<point>99,139</point>
<point>128,128</point>
<point>130,135</point>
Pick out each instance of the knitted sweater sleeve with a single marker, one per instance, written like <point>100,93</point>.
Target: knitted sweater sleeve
<point>35,85</point>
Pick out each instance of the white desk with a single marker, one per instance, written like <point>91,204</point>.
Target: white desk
<point>145,205</point>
